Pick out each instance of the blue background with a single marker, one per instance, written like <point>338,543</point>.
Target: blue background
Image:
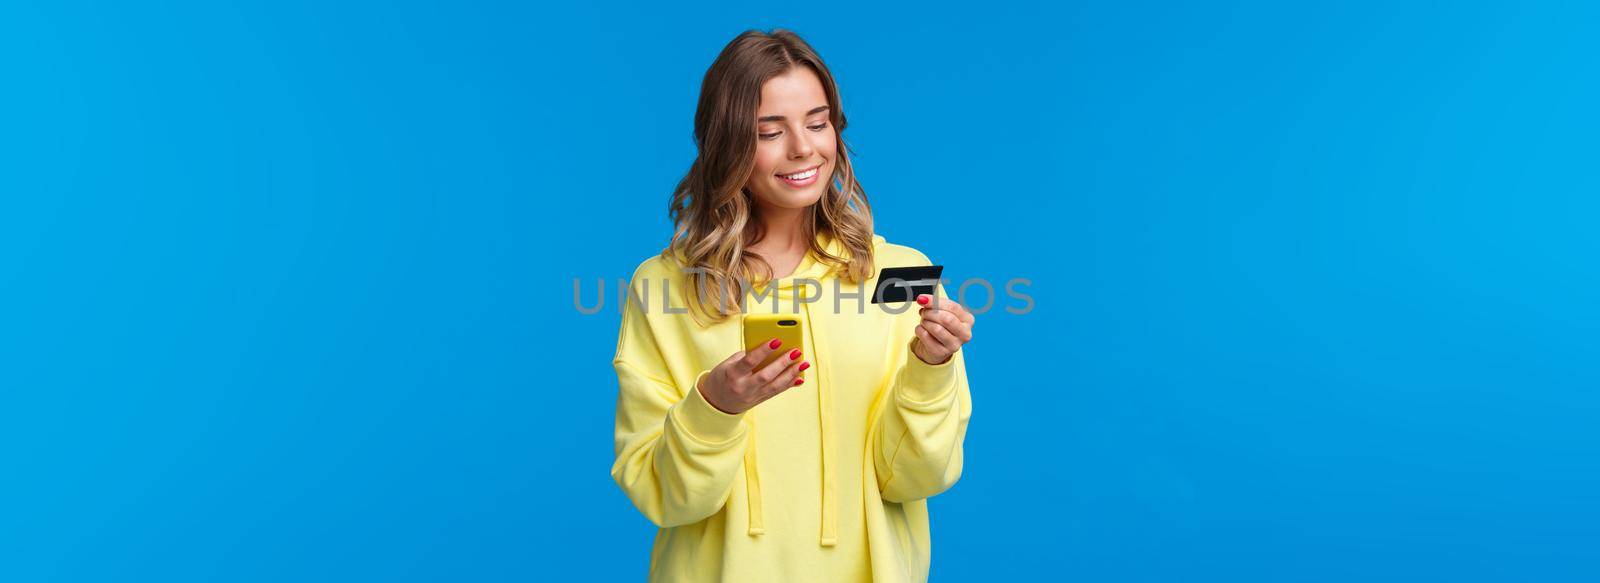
<point>288,286</point>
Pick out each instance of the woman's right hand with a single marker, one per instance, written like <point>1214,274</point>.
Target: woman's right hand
<point>736,385</point>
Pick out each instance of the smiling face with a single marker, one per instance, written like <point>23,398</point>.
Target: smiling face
<point>795,142</point>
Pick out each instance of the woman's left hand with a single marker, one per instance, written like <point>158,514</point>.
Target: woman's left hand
<point>945,327</point>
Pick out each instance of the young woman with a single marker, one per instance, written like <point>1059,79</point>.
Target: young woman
<point>856,427</point>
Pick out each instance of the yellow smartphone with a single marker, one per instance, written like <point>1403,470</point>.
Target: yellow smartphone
<point>762,328</point>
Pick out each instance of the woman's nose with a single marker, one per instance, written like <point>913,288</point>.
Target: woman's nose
<point>802,148</point>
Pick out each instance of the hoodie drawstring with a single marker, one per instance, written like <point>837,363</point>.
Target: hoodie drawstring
<point>830,526</point>
<point>752,482</point>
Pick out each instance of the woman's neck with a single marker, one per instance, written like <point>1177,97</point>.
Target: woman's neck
<point>782,243</point>
<point>784,232</point>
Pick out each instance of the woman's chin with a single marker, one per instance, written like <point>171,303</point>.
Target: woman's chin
<point>794,199</point>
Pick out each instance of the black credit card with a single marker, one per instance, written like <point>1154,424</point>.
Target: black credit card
<point>903,284</point>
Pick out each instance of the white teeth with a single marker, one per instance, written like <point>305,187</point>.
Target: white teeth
<point>802,175</point>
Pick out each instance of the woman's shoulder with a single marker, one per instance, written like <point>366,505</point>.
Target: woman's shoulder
<point>895,254</point>
<point>661,265</point>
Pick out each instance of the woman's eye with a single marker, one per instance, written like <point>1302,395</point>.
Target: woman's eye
<point>816,128</point>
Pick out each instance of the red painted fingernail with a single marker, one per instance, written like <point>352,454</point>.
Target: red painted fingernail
<point>794,354</point>
<point>775,343</point>
<point>805,365</point>
<point>799,380</point>
<point>922,300</point>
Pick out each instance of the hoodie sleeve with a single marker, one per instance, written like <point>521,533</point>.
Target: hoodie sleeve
<point>920,433</point>
<point>676,454</point>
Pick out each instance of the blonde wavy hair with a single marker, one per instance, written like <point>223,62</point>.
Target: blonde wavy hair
<point>712,213</point>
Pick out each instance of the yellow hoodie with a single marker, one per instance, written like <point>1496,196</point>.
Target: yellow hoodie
<point>846,460</point>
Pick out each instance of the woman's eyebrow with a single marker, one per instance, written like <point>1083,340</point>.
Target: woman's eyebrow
<point>814,111</point>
